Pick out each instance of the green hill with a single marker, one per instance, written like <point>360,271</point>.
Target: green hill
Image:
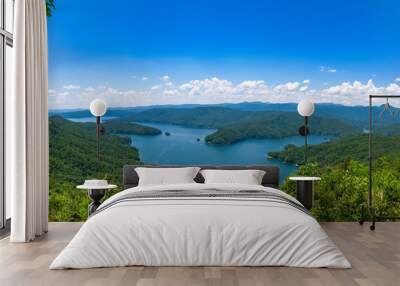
<point>278,125</point>
<point>118,126</point>
<point>72,148</point>
<point>338,151</point>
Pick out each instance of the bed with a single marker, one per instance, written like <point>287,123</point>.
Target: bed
<point>198,224</point>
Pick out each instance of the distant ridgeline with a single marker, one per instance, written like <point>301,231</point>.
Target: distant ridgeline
<point>356,115</point>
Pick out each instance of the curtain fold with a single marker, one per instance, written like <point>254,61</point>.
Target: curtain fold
<point>27,124</point>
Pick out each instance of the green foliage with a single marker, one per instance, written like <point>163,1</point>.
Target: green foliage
<point>337,151</point>
<point>66,203</point>
<point>341,164</point>
<point>73,159</point>
<point>117,126</point>
<point>50,6</point>
<point>343,189</point>
<point>200,117</point>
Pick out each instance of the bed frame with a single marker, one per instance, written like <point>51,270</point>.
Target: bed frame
<point>270,179</point>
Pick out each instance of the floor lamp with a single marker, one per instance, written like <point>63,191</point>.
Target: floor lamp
<point>98,108</point>
<point>370,209</point>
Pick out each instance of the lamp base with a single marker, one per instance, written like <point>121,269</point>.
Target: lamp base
<point>96,196</point>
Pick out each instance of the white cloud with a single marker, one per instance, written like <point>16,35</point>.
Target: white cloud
<point>90,89</point>
<point>217,90</point>
<point>356,93</point>
<point>167,81</point>
<point>71,86</point>
<point>287,87</point>
<point>171,92</point>
<point>248,84</point>
<point>393,88</point>
<point>327,69</point>
<point>397,79</point>
<point>65,93</point>
<point>145,78</point>
<point>155,87</point>
<point>114,91</point>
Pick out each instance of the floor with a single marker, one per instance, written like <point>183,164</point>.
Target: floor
<point>375,257</point>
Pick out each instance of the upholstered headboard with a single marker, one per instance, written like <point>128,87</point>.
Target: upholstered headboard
<point>271,177</point>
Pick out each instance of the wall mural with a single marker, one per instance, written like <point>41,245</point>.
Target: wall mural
<point>219,83</point>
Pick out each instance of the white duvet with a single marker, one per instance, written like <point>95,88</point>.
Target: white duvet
<point>200,231</point>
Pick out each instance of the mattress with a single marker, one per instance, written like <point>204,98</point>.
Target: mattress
<point>201,225</point>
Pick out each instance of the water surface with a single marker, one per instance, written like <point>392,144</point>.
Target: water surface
<point>182,148</point>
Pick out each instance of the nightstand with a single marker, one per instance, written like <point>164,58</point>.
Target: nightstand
<point>96,190</point>
<point>305,190</point>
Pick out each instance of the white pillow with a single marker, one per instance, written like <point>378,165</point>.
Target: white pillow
<point>248,177</point>
<point>166,176</point>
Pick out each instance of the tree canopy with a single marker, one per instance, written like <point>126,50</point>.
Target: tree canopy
<point>50,6</point>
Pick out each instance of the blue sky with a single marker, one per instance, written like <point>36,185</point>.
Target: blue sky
<point>146,52</point>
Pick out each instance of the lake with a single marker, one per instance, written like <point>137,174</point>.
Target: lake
<point>182,147</point>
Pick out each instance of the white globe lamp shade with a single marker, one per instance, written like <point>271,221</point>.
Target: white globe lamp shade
<point>305,108</point>
<point>98,107</point>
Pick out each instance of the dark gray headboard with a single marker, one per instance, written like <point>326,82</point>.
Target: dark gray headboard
<point>271,177</point>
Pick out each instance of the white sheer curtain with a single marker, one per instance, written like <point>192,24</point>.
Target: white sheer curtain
<point>27,124</point>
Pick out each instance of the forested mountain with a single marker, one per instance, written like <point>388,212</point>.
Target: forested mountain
<point>73,158</point>
<point>278,125</point>
<point>338,151</point>
<point>118,126</point>
<point>199,117</point>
